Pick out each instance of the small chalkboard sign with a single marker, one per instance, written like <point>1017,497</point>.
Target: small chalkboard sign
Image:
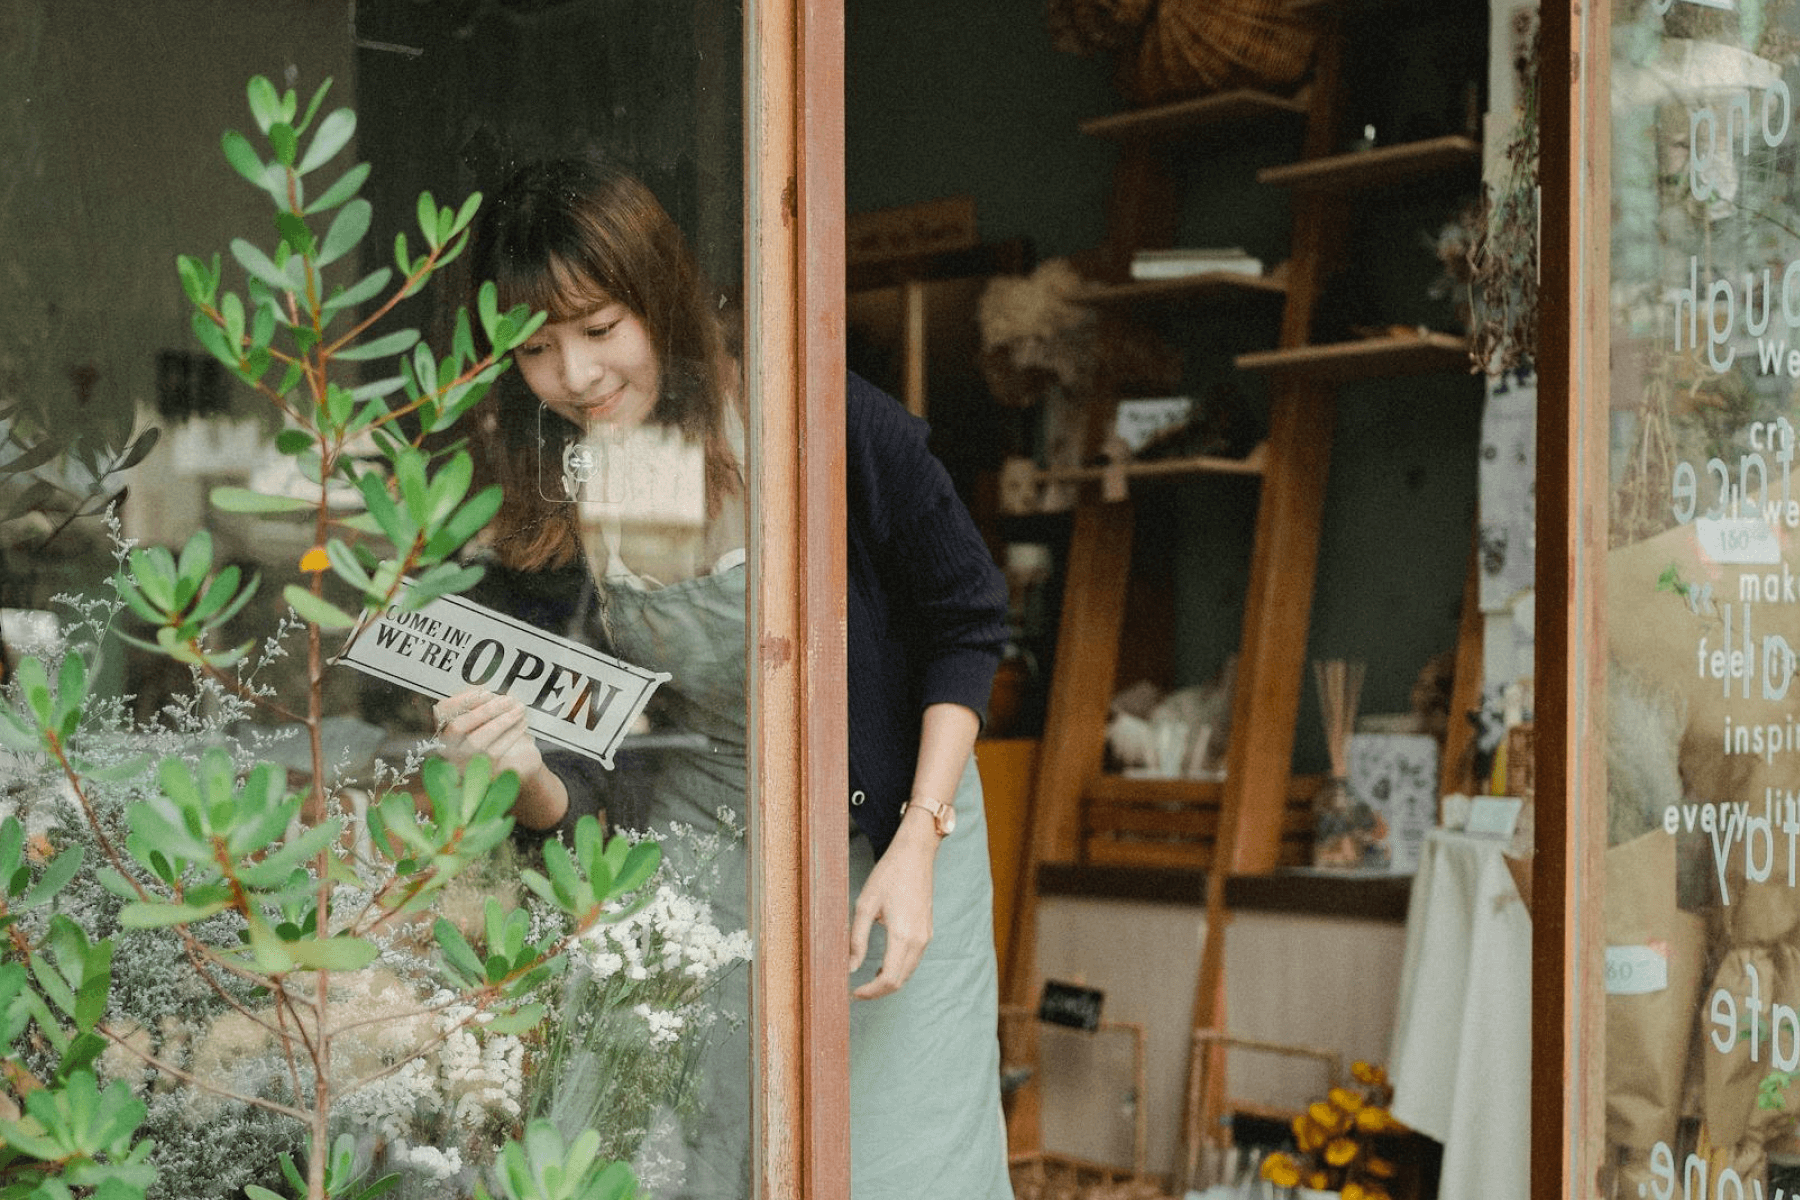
<point>1071,1004</point>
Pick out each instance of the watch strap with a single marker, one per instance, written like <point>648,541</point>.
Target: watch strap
<point>943,814</point>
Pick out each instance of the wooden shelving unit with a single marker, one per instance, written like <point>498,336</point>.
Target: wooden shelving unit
<point>1368,358</point>
<point>1218,835</point>
<point>1221,286</point>
<point>1382,166</point>
<point>1234,109</point>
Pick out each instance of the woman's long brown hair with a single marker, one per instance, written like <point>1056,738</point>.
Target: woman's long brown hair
<point>564,236</point>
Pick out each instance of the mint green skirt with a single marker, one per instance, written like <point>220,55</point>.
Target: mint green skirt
<point>925,1062</point>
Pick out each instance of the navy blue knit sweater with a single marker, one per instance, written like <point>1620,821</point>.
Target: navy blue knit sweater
<point>926,603</point>
<point>926,613</point>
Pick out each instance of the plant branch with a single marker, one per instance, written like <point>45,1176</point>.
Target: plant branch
<point>393,301</point>
<point>77,512</point>
<point>287,1040</point>
<point>198,958</point>
<point>163,1066</point>
<point>412,406</point>
<point>276,398</point>
<point>92,815</point>
<point>237,688</point>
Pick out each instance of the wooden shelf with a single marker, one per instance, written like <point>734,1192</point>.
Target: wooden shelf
<point>1210,286</point>
<point>1185,116</point>
<point>1014,256</point>
<point>1172,824</point>
<point>1375,168</point>
<point>1253,463</point>
<point>1109,788</point>
<point>1347,894</point>
<point>1370,358</point>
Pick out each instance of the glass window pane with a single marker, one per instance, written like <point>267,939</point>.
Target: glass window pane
<point>1701,913</point>
<point>306,416</point>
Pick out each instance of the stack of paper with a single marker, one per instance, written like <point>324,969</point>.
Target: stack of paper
<point>1184,261</point>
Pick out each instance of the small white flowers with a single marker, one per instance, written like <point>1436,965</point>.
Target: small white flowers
<point>665,1026</point>
<point>672,937</point>
<point>648,992</point>
<point>480,1076</point>
<point>454,1081</point>
<point>438,1165</point>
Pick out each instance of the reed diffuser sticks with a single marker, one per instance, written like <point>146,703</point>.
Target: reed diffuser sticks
<point>1340,687</point>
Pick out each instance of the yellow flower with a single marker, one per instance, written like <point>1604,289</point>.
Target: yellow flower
<point>1281,1170</point>
<point>1340,1151</point>
<point>1379,1167</point>
<point>1332,1120</point>
<point>1354,1191</point>
<point>1364,1072</point>
<point>1317,1181</point>
<point>1307,1135</point>
<point>1375,1119</point>
<point>1345,1099</point>
<point>315,559</point>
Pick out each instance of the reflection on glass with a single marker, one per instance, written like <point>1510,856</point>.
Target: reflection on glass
<point>622,529</point>
<point>1702,915</point>
<point>619,443</point>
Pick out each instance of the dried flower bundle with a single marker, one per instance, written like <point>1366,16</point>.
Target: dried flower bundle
<point>1334,1140</point>
<point>1503,252</point>
<point>1340,689</point>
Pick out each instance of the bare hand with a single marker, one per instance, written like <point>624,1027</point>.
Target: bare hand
<point>898,894</point>
<point>481,722</point>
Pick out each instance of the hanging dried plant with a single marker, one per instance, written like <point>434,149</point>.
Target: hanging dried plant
<point>1503,253</point>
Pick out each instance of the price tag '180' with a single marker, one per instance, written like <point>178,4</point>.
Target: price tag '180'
<point>1637,970</point>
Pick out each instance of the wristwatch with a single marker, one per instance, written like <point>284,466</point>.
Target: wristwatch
<point>942,815</point>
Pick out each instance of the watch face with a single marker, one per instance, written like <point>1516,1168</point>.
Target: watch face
<point>946,820</point>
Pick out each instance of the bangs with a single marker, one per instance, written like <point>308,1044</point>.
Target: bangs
<point>557,288</point>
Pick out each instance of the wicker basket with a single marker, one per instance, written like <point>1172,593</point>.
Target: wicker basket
<point>1193,47</point>
<point>1093,26</point>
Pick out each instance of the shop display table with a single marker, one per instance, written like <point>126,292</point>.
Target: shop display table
<point>1461,1056</point>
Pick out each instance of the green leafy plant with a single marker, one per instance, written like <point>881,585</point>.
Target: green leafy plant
<point>545,1167</point>
<point>203,842</point>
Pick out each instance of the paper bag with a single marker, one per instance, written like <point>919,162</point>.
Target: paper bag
<point>1655,959</point>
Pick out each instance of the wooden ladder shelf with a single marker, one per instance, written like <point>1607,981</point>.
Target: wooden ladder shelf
<point>1237,827</point>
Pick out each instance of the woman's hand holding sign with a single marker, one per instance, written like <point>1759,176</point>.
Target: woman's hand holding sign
<point>482,722</point>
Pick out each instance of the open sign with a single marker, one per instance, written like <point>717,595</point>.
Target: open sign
<point>575,697</point>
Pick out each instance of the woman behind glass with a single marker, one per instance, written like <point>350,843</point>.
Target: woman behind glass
<point>619,443</point>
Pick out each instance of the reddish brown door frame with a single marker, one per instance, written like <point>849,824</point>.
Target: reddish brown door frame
<point>794,363</point>
<point>1568,1052</point>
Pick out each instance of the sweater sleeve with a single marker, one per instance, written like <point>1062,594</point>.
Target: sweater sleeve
<point>950,596</point>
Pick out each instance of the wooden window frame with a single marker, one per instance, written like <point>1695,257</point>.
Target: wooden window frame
<point>795,369</point>
<point>1568,1006</point>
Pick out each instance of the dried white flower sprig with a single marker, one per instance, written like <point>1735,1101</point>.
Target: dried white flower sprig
<point>642,1005</point>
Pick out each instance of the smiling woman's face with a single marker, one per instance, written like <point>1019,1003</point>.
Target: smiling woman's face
<point>599,368</point>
